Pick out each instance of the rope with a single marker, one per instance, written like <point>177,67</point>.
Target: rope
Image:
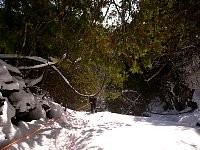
<point>46,62</point>
<point>39,129</point>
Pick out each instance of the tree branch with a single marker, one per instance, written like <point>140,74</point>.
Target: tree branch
<point>24,42</point>
<point>147,80</point>
<point>46,62</point>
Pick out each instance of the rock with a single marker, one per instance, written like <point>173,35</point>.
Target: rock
<point>2,100</point>
<point>22,101</point>
<point>5,75</point>
<point>9,87</point>
<point>8,112</point>
<point>10,67</point>
<point>6,81</point>
<point>20,81</point>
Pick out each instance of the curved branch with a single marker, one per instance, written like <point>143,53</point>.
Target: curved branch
<point>32,82</point>
<point>84,95</point>
<point>36,58</point>
<point>25,31</point>
<point>39,59</point>
<point>35,66</point>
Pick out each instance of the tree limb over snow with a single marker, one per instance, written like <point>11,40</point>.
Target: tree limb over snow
<point>33,82</point>
<point>48,63</point>
<point>91,95</point>
<point>39,59</point>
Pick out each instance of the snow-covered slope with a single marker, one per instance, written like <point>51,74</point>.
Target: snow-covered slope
<point>106,131</point>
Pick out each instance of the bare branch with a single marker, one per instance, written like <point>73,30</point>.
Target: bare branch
<point>116,6</point>
<point>33,82</point>
<point>36,58</point>
<point>128,99</point>
<point>36,66</point>
<point>25,30</point>
<point>91,95</point>
<point>106,12</point>
<point>147,80</point>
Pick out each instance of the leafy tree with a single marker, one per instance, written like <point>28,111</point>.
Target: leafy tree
<point>147,35</point>
<point>157,29</point>
<point>53,28</point>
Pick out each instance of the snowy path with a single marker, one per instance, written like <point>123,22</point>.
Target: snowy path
<point>108,131</point>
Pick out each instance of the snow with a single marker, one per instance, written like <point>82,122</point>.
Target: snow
<point>196,96</point>
<point>21,99</point>
<point>105,131</point>
<point>75,130</point>
<point>4,74</point>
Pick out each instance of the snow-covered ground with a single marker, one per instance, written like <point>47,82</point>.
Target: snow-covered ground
<point>105,131</point>
<point>73,130</point>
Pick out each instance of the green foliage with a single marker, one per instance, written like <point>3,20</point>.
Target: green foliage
<point>148,31</point>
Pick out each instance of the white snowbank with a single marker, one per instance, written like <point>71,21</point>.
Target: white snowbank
<point>108,131</point>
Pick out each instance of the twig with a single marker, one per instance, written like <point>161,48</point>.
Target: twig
<point>47,22</point>
<point>147,80</point>
<point>132,101</point>
<point>25,30</point>
<point>36,66</point>
<point>106,12</point>
<point>116,6</point>
<point>129,109</point>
